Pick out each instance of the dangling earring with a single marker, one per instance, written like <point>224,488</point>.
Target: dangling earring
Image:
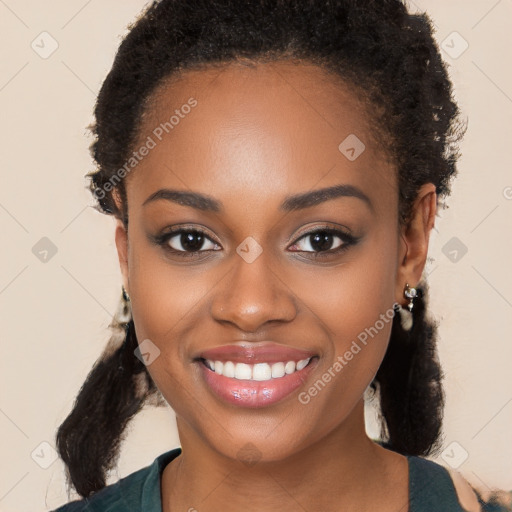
<point>126,340</point>
<point>124,311</point>
<point>406,318</point>
<point>411,294</point>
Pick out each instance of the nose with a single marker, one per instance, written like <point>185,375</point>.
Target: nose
<point>252,295</point>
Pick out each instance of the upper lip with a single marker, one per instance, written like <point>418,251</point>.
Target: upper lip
<point>251,353</point>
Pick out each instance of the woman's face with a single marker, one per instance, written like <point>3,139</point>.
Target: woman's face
<point>259,142</point>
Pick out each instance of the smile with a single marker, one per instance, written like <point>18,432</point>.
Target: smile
<point>255,385</point>
<point>256,372</point>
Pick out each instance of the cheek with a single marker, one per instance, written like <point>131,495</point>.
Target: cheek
<point>355,304</point>
<point>165,297</point>
<point>166,301</point>
<point>360,332</point>
<point>351,297</point>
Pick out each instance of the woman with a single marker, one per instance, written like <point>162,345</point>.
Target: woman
<point>275,169</point>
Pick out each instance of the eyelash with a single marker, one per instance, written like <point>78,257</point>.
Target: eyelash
<point>348,241</point>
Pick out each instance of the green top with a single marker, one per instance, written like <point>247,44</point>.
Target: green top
<point>431,489</point>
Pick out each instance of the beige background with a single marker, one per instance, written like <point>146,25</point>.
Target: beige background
<point>54,315</point>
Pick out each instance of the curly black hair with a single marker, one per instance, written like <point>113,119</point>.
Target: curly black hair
<point>382,52</point>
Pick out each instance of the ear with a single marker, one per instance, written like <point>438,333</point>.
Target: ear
<point>414,240</point>
<point>121,237</point>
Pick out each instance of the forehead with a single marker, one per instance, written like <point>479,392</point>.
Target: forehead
<point>280,125</point>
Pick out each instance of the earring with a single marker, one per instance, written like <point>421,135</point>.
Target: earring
<point>406,318</point>
<point>411,294</point>
<point>123,346</point>
<point>124,313</point>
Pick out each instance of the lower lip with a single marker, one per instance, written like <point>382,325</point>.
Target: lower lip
<point>250,393</point>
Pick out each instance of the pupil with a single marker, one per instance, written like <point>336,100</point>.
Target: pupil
<point>322,241</point>
<point>188,243</point>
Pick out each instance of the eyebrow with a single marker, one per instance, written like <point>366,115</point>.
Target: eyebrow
<point>291,203</point>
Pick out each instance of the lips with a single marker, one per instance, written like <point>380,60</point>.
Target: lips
<point>255,391</point>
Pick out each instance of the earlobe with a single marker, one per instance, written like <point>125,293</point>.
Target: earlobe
<point>121,238</point>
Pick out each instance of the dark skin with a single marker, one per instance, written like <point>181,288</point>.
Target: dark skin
<point>258,135</point>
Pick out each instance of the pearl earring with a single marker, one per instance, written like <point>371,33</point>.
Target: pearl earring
<point>406,318</point>
<point>411,293</point>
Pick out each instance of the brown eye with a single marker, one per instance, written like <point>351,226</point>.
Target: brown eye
<point>186,241</point>
<point>324,241</point>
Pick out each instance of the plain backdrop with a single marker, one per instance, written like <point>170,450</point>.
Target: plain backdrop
<point>55,313</point>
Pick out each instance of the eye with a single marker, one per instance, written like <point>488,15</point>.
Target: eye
<point>322,242</point>
<point>186,242</point>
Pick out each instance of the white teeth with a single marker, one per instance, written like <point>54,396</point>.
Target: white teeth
<point>257,372</point>
<point>290,367</point>
<point>229,369</point>
<point>278,370</point>
<point>261,371</point>
<point>243,371</point>
<point>302,364</point>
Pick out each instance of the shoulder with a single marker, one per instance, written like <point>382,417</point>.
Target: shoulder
<point>491,500</point>
<point>432,485</point>
<point>435,485</point>
<point>465,493</point>
<point>138,491</point>
<point>114,497</point>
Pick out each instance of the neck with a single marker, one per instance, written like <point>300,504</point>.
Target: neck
<point>344,470</point>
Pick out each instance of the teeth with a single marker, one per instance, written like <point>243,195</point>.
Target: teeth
<point>257,372</point>
<point>243,371</point>
<point>278,370</point>
<point>289,367</point>
<point>302,364</point>
<point>261,371</point>
<point>229,369</point>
